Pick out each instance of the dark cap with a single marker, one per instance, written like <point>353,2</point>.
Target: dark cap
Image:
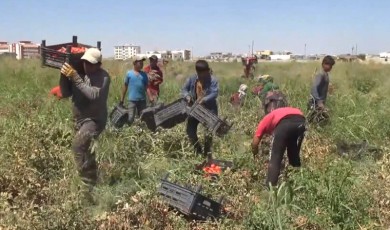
<point>153,57</point>
<point>202,65</point>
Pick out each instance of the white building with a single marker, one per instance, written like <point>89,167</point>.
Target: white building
<point>4,47</point>
<point>25,49</point>
<point>126,51</point>
<point>280,57</point>
<point>181,55</point>
<point>384,55</point>
<point>22,49</point>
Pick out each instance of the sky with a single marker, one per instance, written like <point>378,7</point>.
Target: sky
<point>326,27</point>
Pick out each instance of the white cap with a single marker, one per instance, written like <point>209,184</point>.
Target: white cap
<point>243,87</point>
<point>92,55</point>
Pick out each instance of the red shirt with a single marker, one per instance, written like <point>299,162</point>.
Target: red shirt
<point>268,124</point>
<point>56,91</point>
<point>155,84</point>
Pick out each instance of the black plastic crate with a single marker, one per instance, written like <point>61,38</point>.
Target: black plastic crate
<point>51,57</point>
<point>147,116</point>
<point>221,163</point>
<point>119,116</point>
<point>189,202</point>
<point>212,122</point>
<point>171,114</point>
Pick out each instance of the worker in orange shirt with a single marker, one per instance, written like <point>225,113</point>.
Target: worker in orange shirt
<point>56,91</point>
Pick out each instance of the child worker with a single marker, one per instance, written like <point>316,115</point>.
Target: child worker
<point>287,127</point>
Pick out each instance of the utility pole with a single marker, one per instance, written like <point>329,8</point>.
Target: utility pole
<point>253,43</point>
<point>352,50</point>
<point>356,50</point>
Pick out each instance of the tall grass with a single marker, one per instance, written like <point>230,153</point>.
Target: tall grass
<point>39,184</point>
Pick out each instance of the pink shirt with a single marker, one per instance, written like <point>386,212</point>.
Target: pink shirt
<point>271,120</point>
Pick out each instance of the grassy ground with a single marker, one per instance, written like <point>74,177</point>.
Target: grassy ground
<point>39,184</point>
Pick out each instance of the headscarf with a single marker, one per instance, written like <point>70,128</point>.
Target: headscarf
<point>242,90</point>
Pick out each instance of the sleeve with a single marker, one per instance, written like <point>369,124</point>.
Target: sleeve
<point>214,92</point>
<point>261,128</point>
<point>145,79</point>
<point>316,84</point>
<point>185,91</point>
<point>264,90</point>
<point>65,86</point>
<point>92,92</point>
<point>127,79</point>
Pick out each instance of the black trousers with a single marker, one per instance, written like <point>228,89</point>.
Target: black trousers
<point>192,129</point>
<point>288,134</point>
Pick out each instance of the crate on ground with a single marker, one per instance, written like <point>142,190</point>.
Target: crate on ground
<point>212,122</point>
<point>189,202</point>
<point>119,116</point>
<point>147,116</point>
<point>171,114</point>
<point>221,163</point>
<point>52,56</point>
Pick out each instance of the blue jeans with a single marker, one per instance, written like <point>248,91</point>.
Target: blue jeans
<point>135,106</point>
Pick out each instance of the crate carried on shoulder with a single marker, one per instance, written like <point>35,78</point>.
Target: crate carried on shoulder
<point>189,201</point>
<point>55,56</point>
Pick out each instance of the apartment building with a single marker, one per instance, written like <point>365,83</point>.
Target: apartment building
<point>124,52</point>
<point>22,49</point>
<point>181,55</point>
<point>26,49</point>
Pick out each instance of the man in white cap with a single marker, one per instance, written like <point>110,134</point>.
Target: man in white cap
<point>89,96</point>
<point>136,82</point>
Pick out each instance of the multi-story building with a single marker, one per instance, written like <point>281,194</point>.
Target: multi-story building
<point>4,47</point>
<point>181,55</point>
<point>27,49</point>
<point>126,51</point>
<point>22,49</point>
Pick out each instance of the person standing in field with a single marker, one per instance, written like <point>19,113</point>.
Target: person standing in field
<point>89,96</point>
<point>136,82</point>
<point>319,90</point>
<point>287,127</point>
<point>202,88</point>
<point>155,77</point>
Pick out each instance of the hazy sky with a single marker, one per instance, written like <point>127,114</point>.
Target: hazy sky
<point>328,26</point>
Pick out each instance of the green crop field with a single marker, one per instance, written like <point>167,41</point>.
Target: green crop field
<point>39,182</point>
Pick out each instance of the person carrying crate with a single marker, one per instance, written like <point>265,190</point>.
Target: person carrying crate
<point>202,88</point>
<point>89,96</point>
<point>287,127</point>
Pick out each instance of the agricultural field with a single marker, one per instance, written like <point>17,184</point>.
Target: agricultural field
<point>39,182</point>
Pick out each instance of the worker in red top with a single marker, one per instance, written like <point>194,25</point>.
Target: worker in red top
<point>56,91</point>
<point>155,77</point>
<point>287,127</point>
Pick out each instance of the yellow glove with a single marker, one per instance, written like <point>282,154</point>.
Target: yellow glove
<point>68,70</point>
